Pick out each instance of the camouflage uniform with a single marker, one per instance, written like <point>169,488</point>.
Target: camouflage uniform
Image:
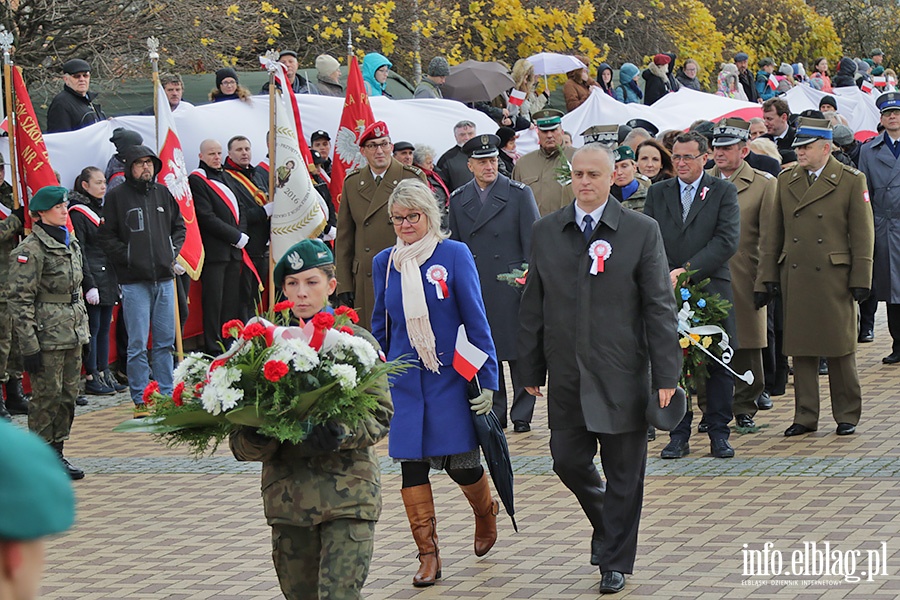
<point>45,295</point>
<point>322,507</point>
<point>10,229</point>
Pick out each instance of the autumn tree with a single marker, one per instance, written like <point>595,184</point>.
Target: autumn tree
<point>865,25</point>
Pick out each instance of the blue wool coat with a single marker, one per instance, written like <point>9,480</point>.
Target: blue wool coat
<point>431,410</point>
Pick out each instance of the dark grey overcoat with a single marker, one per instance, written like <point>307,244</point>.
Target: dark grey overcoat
<point>882,172</point>
<point>604,339</point>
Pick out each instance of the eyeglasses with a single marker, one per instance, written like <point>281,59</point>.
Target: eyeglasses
<point>82,75</point>
<point>376,145</point>
<point>228,82</point>
<point>411,218</point>
<point>685,157</point>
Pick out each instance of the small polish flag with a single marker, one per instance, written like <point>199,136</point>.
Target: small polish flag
<point>773,82</point>
<point>22,258</point>
<point>879,81</point>
<point>866,86</point>
<point>467,359</point>
<point>4,211</point>
<point>517,97</point>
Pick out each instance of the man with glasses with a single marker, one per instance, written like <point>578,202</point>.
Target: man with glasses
<point>363,225</point>
<point>699,218</point>
<point>74,107</point>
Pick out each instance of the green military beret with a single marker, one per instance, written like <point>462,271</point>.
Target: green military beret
<point>48,197</point>
<point>623,153</point>
<point>35,491</point>
<point>303,255</point>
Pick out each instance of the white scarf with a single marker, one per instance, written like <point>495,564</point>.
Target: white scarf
<point>407,259</point>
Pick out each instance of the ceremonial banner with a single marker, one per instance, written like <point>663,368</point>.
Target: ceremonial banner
<point>32,159</point>
<point>298,212</point>
<point>357,115</point>
<point>281,78</point>
<point>174,175</point>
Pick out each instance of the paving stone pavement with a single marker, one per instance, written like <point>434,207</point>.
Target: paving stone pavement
<point>154,523</point>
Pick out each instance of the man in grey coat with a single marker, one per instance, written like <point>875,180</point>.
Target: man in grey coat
<point>879,159</point>
<point>603,349</point>
<point>430,86</point>
<point>699,218</point>
<point>493,216</point>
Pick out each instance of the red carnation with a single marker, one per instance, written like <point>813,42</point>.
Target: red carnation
<point>152,388</point>
<point>347,329</point>
<point>253,330</point>
<point>283,305</point>
<point>346,310</point>
<point>323,320</point>
<point>232,328</point>
<point>275,370</point>
<point>176,394</point>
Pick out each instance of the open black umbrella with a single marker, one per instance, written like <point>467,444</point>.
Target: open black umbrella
<point>496,454</point>
<point>476,81</point>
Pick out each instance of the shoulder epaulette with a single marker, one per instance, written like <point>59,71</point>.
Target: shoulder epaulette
<point>517,184</point>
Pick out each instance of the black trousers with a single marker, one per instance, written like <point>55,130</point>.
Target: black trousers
<point>719,400</point>
<point>613,507</point>
<point>523,402</point>
<point>220,299</point>
<point>893,319</point>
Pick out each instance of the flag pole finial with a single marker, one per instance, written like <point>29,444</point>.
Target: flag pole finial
<point>153,48</point>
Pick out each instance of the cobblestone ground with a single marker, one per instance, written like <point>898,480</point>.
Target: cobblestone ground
<point>154,523</point>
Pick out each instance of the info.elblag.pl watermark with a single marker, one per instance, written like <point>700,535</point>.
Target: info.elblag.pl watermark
<point>815,563</point>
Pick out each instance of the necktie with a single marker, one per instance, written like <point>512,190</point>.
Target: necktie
<point>687,199</point>
<point>378,180</point>
<point>588,227</point>
<point>812,178</point>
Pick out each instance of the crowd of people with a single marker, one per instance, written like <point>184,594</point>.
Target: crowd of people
<point>787,215</point>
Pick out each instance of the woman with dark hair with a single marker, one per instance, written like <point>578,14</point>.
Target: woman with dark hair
<point>101,289</point>
<point>687,75</point>
<point>604,78</point>
<point>228,87</point>
<point>820,72</point>
<point>654,161</point>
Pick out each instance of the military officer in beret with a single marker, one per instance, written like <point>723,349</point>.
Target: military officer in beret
<point>879,159</point>
<point>756,197</point>
<point>74,107</point>
<point>629,187</point>
<point>364,229</point>
<point>493,215</point>
<point>37,500</point>
<point>820,254</point>
<point>547,170</point>
<point>45,273</point>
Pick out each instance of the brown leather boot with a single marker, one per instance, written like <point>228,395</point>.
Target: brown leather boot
<point>486,508</point>
<point>420,511</point>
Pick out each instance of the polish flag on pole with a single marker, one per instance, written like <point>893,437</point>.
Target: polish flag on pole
<point>773,82</point>
<point>517,97</point>
<point>467,359</point>
<point>879,81</point>
<point>356,116</point>
<point>174,175</point>
<point>866,86</point>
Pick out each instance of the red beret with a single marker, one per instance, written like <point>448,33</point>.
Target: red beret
<point>376,130</point>
<point>661,59</point>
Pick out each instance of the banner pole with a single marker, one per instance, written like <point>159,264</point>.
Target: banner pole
<point>6,40</point>
<point>270,140</point>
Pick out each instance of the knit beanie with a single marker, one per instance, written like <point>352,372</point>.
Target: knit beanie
<point>223,74</point>
<point>326,65</point>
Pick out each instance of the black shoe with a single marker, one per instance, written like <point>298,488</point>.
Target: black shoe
<point>74,472</point>
<point>702,426</point>
<point>97,387</point>
<point>891,359</point>
<point>612,582</point>
<point>651,433</point>
<point>16,403</point>
<point>745,421</point>
<point>866,337</point>
<point>111,381</point>
<point>521,427</point>
<point>675,449</point>
<point>823,366</point>
<point>4,414</point>
<point>81,400</point>
<point>764,402</point>
<point>595,552</point>
<point>720,448</point>
<point>797,429</point>
<point>846,429</point>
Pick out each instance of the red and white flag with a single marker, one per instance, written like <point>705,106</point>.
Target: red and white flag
<point>467,358</point>
<point>879,81</point>
<point>773,82</point>
<point>174,175</point>
<point>866,86</point>
<point>517,97</point>
<point>356,116</point>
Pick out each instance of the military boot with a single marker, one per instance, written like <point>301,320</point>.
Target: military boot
<point>485,508</point>
<point>74,472</point>
<point>419,504</point>
<point>4,414</point>
<point>16,403</point>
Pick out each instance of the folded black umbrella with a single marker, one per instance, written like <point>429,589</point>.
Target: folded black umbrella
<point>496,454</point>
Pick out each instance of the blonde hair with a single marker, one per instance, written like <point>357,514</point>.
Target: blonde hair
<point>412,194</point>
<point>766,147</point>
<point>522,73</point>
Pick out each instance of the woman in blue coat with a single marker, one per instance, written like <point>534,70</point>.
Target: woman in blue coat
<point>425,288</point>
<point>375,69</point>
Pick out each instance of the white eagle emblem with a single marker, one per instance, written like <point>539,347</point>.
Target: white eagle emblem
<point>295,261</point>
<point>347,149</point>
<point>177,177</point>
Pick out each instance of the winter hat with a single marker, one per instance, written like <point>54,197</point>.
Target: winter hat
<point>862,66</point>
<point>785,69</point>
<point>125,138</point>
<point>799,70</point>
<point>828,101</point>
<point>766,62</point>
<point>326,65</point>
<point>842,135</point>
<point>661,59</point>
<point>627,72</point>
<point>741,56</point>
<point>223,74</point>
<point>438,67</point>
<point>505,134</point>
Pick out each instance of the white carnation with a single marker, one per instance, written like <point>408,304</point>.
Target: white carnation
<point>362,349</point>
<point>224,377</point>
<point>345,375</point>
<point>191,368</point>
<point>211,399</point>
<point>297,353</point>
<point>230,397</point>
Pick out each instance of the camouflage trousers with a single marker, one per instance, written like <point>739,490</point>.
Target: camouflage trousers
<point>324,562</point>
<point>53,392</point>
<point>10,357</point>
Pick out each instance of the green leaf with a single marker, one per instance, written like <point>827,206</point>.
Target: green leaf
<point>146,425</point>
<point>248,415</point>
<point>193,418</point>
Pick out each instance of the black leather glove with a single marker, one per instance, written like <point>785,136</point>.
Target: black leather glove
<point>326,437</point>
<point>33,363</point>
<point>347,299</point>
<point>860,294</point>
<point>20,212</point>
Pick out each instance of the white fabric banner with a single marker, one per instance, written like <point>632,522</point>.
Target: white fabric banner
<point>858,108</point>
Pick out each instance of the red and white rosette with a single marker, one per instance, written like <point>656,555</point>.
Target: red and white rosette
<point>437,276</point>
<point>599,253</point>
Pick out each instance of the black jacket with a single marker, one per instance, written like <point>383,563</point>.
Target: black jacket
<point>846,74</point>
<point>218,228</point>
<point>97,274</point>
<point>69,111</point>
<point>142,231</point>
<point>748,81</point>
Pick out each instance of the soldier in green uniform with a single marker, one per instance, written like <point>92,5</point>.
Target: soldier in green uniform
<point>10,359</point>
<point>321,497</point>
<point>547,170</point>
<point>45,273</point>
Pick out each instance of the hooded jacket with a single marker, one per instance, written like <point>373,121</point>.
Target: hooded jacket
<point>143,230</point>
<point>846,74</point>
<point>609,89</point>
<point>629,91</point>
<point>371,63</point>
